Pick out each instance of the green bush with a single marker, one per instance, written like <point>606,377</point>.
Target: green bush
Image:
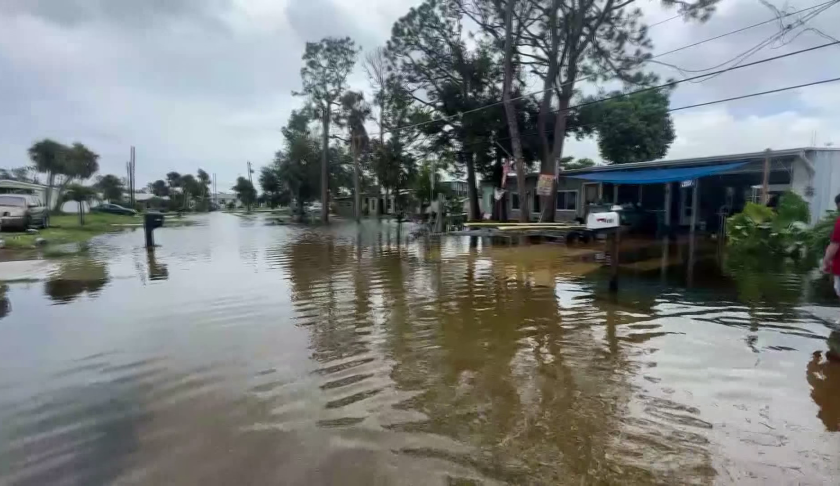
<point>761,235</point>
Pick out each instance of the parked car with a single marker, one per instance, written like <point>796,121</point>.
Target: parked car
<point>113,209</point>
<point>315,207</point>
<point>20,211</point>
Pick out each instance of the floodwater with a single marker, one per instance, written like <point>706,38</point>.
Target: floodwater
<point>245,353</point>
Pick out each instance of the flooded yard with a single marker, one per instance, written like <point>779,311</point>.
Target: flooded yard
<point>241,352</point>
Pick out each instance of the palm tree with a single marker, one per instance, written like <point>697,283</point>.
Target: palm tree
<point>81,194</point>
<point>174,180</point>
<point>204,180</point>
<point>48,156</point>
<point>159,188</point>
<point>80,163</point>
<point>354,112</point>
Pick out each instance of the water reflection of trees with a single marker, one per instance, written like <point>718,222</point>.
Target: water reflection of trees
<point>75,277</point>
<point>478,340</point>
<point>823,375</point>
<point>5,303</point>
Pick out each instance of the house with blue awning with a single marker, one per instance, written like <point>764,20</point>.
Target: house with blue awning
<point>690,194</point>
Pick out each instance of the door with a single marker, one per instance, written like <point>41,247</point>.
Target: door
<point>686,210</point>
<point>36,210</point>
<point>590,196</point>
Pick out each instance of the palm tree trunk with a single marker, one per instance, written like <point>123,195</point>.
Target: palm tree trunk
<point>50,182</point>
<point>81,213</point>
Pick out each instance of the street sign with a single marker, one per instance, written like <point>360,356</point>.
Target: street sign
<point>688,183</point>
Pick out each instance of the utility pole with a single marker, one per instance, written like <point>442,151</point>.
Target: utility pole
<point>132,172</point>
<point>765,183</point>
<point>249,173</point>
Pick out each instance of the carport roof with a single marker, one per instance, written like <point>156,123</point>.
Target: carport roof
<point>657,175</point>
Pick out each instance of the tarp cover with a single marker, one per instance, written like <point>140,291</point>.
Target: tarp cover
<point>655,176</point>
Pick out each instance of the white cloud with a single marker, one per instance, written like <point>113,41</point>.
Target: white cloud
<point>198,83</point>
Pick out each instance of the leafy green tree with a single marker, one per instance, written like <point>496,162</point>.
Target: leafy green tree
<point>174,180</point>
<point>297,163</point>
<point>82,195</point>
<point>159,188</point>
<point>273,188</point>
<point>245,191</point>
<point>633,128</point>
<point>506,22</point>
<point>48,157</point>
<point>21,174</point>
<point>423,189</point>
<point>80,163</point>
<point>569,163</point>
<point>204,187</point>
<point>111,187</point>
<point>354,113</point>
<point>445,76</point>
<point>190,187</point>
<point>326,65</point>
<point>600,40</point>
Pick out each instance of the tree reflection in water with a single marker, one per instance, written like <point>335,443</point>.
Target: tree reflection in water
<point>5,304</point>
<point>75,277</point>
<point>478,350</point>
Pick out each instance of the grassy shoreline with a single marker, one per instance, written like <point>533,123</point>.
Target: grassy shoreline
<point>65,228</point>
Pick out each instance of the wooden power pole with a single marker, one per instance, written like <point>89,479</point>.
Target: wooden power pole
<point>765,182</point>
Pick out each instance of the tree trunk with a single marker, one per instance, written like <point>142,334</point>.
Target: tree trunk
<point>325,167</point>
<point>472,193</point>
<point>81,213</point>
<point>510,110</point>
<point>60,195</point>
<point>379,210</point>
<point>357,199</point>
<point>50,181</point>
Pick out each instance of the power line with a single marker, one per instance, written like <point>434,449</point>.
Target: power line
<point>674,83</point>
<point>713,73</point>
<point>773,38</point>
<point>527,95</point>
<point>686,107</point>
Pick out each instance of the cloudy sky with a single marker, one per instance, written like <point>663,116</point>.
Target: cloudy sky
<point>208,83</point>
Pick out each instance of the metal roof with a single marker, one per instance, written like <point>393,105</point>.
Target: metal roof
<point>717,159</point>
<point>20,184</point>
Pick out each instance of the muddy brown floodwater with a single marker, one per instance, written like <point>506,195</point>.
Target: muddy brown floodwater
<point>245,353</point>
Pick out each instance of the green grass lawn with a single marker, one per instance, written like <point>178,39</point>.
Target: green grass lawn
<point>65,228</point>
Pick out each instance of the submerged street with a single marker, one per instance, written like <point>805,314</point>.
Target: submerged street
<point>242,352</point>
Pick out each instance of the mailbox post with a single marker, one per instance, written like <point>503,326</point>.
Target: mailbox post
<point>150,222</point>
<point>608,222</point>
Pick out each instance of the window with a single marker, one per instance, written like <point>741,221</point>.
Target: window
<point>514,201</point>
<point>17,201</point>
<point>567,200</point>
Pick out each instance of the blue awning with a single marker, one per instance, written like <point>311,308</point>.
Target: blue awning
<point>655,176</point>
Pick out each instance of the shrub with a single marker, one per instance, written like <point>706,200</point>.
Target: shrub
<point>760,234</point>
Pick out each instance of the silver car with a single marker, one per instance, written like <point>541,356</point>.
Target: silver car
<point>21,211</point>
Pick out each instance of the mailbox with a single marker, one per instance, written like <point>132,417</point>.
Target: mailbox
<point>150,222</point>
<point>153,220</point>
<point>603,221</point>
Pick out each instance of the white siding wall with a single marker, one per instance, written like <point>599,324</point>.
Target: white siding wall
<point>826,181</point>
